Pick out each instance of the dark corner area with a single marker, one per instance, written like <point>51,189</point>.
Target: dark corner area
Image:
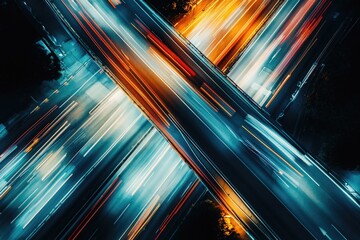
<point>25,63</point>
<point>333,112</point>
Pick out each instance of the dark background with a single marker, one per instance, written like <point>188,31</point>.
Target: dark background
<point>24,64</point>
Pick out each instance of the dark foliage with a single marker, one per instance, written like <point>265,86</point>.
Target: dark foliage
<point>333,108</point>
<point>24,64</point>
<point>173,9</point>
<point>206,221</point>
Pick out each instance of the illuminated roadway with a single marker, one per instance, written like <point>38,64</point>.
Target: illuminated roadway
<point>63,156</point>
<point>264,67</point>
<point>258,44</point>
<point>224,137</point>
<point>223,28</point>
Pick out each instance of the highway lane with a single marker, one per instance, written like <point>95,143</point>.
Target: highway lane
<point>222,29</point>
<point>220,131</point>
<point>69,149</point>
<point>138,195</point>
<point>122,32</point>
<point>30,120</point>
<point>272,38</point>
<point>39,177</point>
<point>265,66</point>
<point>272,74</point>
<point>311,172</point>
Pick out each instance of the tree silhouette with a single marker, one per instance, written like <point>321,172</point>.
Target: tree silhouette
<point>173,9</point>
<point>207,221</point>
<point>24,63</point>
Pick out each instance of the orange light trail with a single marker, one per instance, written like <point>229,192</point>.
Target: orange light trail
<point>29,129</point>
<point>177,207</point>
<point>273,151</point>
<point>167,50</point>
<point>116,66</point>
<point>110,190</point>
<point>303,34</point>
<point>144,218</point>
<point>222,29</point>
<point>217,99</point>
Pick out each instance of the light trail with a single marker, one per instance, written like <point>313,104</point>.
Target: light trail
<point>48,156</point>
<point>260,68</point>
<point>223,28</point>
<point>220,135</point>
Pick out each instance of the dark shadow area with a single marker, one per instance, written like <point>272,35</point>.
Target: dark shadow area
<point>333,105</point>
<point>207,221</point>
<point>173,10</point>
<point>24,63</point>
<point>331,115</point>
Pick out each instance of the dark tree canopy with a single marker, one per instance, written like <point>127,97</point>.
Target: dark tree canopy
<point>24,63</point>
<point>173,9</point>
<point>333,107</point>
<point>206,221</point>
